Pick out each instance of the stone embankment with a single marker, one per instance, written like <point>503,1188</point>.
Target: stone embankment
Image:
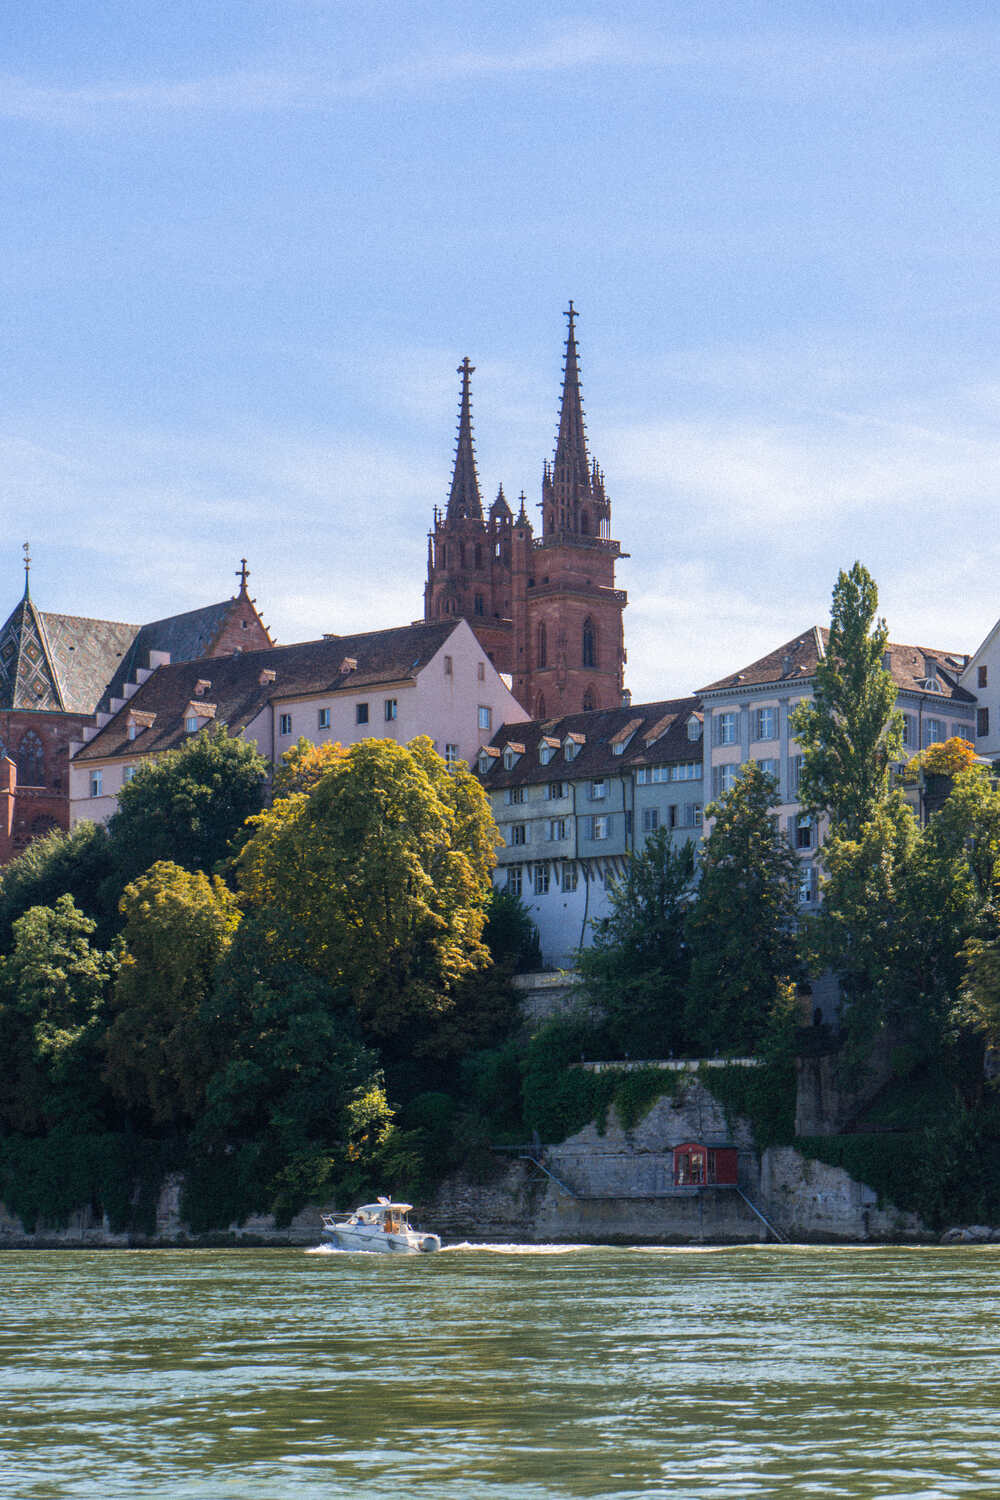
<point>975,1234</point>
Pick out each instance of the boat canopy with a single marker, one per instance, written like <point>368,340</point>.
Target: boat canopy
<point>384,1208</point>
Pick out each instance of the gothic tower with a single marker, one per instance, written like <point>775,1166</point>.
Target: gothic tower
<point>468,557</point>
<point>545,609</point>
<point>572,634</point>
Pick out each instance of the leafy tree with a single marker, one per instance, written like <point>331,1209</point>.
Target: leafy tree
<point>851,732</point>
<point>178,925</point>
<point>897,906</point>
<point>383,870</point>
<point>948,758</point>
<point>742,925</point>
<point>303,765</point>
<point>188,806</point>
<point>74,863</point>
<point>637,969</point>
<point>52,992</point>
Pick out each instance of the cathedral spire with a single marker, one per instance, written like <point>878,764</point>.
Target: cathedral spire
<point>26,549</point>
<point>464,499</point>
<point>572,466</point>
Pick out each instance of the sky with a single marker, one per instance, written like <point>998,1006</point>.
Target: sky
<point>244,245</point>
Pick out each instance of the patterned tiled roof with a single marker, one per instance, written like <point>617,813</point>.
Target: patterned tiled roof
<point>797,659</point>
<point>242,685</point>
<point>596,733</point>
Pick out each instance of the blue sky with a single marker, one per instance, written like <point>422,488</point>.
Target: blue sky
<point>244,245</point>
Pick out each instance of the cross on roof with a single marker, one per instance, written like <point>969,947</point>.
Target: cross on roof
<point>243,573</point>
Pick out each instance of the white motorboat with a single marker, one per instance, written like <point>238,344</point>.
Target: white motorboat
<point>382,1227</point>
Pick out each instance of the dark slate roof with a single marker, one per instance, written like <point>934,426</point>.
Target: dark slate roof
<point>237,693</point>
<point>186,637</point>
<point>667,721</point>
<point>86,654</point>
<point>797,659</point>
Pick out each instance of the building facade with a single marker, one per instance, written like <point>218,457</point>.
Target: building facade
<point>546,608</point>
<point>57,671</point>
<point>573,797</point>
<point>425,679</point>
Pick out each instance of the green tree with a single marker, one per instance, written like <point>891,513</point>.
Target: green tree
<point>741,927</point>
<point>636,972</point>
<point>74,863</point>
<point>178,926</point>
<point>303,765</point>
<point>851,732</point>
<point>383,870</point>
<point>188,806</point>
<point>52,992</point>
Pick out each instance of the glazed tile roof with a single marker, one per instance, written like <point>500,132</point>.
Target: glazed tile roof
<point>242,685</point>
<point>596,733</point>
<point>796,661</point>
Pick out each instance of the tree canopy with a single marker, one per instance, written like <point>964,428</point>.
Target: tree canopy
<point>851,732</point>
<point>383,870</point>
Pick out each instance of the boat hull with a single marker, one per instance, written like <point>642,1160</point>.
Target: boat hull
<point>378,1243</point>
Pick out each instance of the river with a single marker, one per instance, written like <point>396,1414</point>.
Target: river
<point>505,1371</point>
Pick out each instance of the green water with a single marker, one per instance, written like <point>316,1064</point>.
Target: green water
<point>702,1373</point>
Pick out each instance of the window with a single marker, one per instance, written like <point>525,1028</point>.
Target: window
<point>723,779</point>
<point>599,827</point>
<point>391,709</point>
<point>541,879</point>
<point>808,885</point>
<point>588,701</point>
<point>726,733</point>
<point>556,791</point>
<point>323,719</point>
<point>589,652</point>
<point>540,706</point>
<point>769,768</point>
<point>983,676</point>
<point>451,758</point>
<point>478,605</point>
<point>514,880</point>
<point>485,716</point>
<point>128,773</point>
<point>31,760</point>
<point>360,714</point>
<point>541,646</point>
<point>570,749</point>
<point>515,794</point>
<point>650,819</point>
<point>480,671</point>
<point>569,877</point>
<point>794,772</point>
<point>284,724</point>
<point>557,829</point>
<point>598,790</point>
<point>804,831</point>
<point>518,833</point>
<point>982,721</point>
<point>964,732</point>
<point>133,729</point>
<point>909,732</point>
<point>686,770</point>
<point>692,814</point>
<point>934,731</point>
<point>694,728</point>
<point>765,724</point>
<point>97,783</point>
<point>191,723</point>
<point>449,666</point>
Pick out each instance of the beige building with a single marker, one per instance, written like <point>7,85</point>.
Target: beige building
<point>425,679</point>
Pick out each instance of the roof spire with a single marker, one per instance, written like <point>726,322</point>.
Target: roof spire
<point>26,549</point>
<point>243,573</point>
<point>464,500</point>
<point>571,463</point>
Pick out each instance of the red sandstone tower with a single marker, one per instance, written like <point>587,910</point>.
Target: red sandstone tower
<point>546,610</point>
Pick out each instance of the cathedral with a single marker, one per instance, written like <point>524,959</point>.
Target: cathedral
<point>545,608</point>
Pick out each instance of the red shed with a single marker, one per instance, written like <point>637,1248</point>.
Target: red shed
<point>706,1164</point>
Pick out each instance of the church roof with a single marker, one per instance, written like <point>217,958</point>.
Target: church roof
<point>56,663</point>
<point>185,637</point>
<point>243,684</point>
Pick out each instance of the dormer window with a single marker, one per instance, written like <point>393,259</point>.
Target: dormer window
<point>191,723</point>
<point>201,687</point>
<point>133,729</point>
<point>349,664</point>
<point>694,728</point>
<point>266,677</point>
<point>545,754</point>
<point>484,764</point>
<point>509,760</point>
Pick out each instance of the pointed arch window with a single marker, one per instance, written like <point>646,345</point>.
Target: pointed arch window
<point>479,555</point>
<point>31,760</point>
<point>540,706</point>
<point>584,523</point>
<point>589,643</point>
<point>542,653</point>
<point>588,700</point>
